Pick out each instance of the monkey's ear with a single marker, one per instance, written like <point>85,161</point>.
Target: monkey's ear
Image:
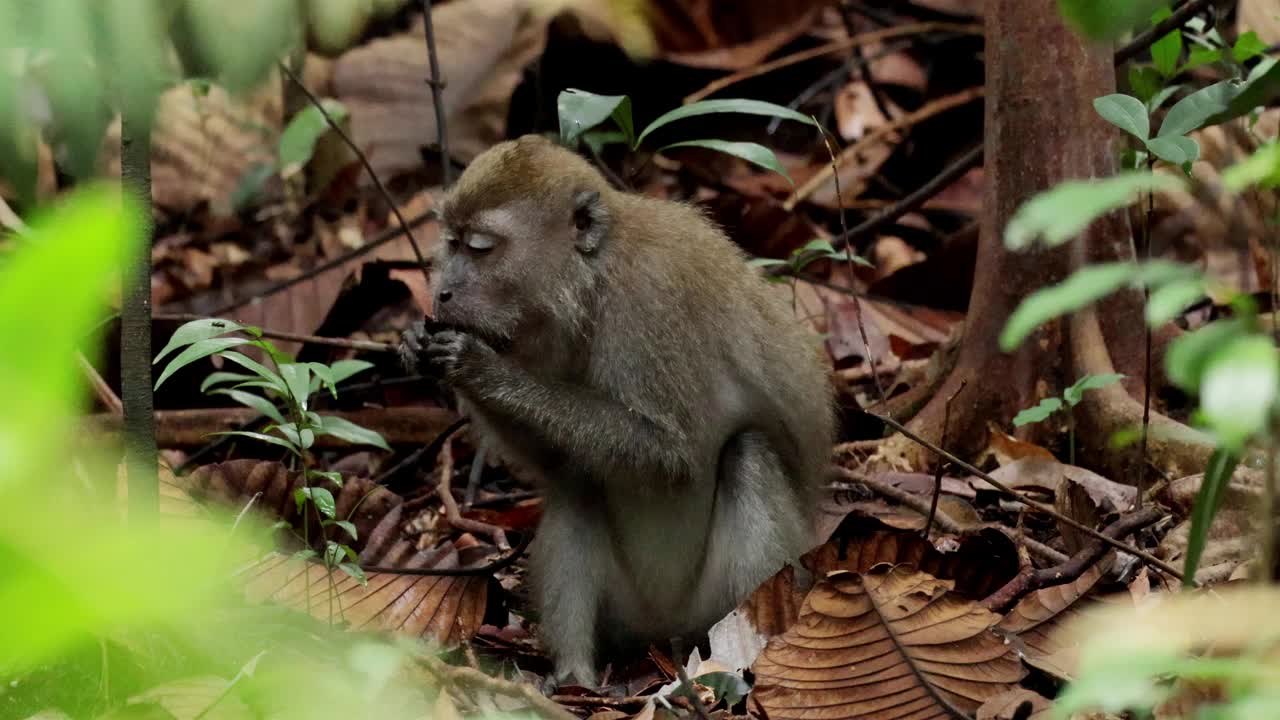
<point>590,221</point>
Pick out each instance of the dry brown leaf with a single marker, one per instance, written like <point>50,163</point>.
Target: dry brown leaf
<point>445,609</point>
<point>1009,705</point>
<point>708,34</point>
<point>885,645</point>
<point>202,146</point>
<point>383,83</point>
<point>196,697</point>
<point>1036,616</point>
<point>984,562</point>
<point>1230,543</point>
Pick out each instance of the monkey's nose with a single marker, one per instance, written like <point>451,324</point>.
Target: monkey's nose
<point>445,295</point>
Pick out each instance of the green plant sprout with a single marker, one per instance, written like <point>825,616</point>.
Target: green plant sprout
<point>800,258</point>
<point>581,112</point>
<point>1069,399</point>
<point>287,388</point>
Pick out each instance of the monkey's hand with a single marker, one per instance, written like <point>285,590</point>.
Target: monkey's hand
<point>410,349</point>
<point>458,355</point>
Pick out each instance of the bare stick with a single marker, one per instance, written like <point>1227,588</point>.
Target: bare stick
<point>830,49</point>
<point>925,112</point>
<point>364,160</point>
<point>1179,18</point>
<point>437,92</point>
<point>937,478</point>
<point>1038,507</point>
<point>101,389</point>
<point>366,345</point>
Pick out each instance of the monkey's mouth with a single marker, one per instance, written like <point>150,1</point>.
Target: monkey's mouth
<point>500,342</point>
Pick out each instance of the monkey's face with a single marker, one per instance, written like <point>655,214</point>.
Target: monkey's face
<point>513,269</point>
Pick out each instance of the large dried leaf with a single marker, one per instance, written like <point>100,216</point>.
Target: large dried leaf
<point>1036,616</point>
<point>984,561</point>
<point>444,609</point>
<point>885,645</point>
<point>383,84</point>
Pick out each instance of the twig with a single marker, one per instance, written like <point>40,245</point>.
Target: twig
<point>937,478</point>
<point>1037,506</point>
<point>677,648</point>
<point>486,569</point>
<point>429,450</point>
<point>101,389</point>
<point>829,49</point>
<point>451,512</point>
<point>925,112</point>
<point>136,391</point>
<point>9,219</point>
<point>366,345</point>
<point>963,164</point>
<point>848,257</point>
<point>381,239</point>
<point>1144,40</point>
<point>437,90</point>
<point>470,677</point>
<point>1030,580</point>
<point>586,701</point>
<point>364,160</point>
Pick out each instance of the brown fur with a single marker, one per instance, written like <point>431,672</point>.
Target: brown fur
<point>677,414</point>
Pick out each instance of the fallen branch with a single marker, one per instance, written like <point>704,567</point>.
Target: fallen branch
<point>1030,579</point>
<point>190,428</point>
<point>453,676</point>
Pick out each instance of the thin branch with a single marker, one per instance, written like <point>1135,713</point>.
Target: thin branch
<point>137,396</point>
<point>364,160</point>
<point>452,675</point>
<point>1189,9</point>
<point>937,478</point>
<point>451,512</point>
<point>437,95</point>
<point>366,345</point>
<point>1038,507</point>
<point>101,389</point>
<point>925,112</point>
<point>1030,580</point>
<point>830,49</point>
<point>487,569</point>
<point>381,239</point>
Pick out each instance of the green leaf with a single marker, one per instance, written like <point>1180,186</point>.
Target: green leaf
<point>272,439</point>
<point>1171,300</point>
<point>1107,19</point>
<point>343,369</point>
<point>219,377</point>
<point>1145,81</point>
<point>1238,388</point>
<point>298,141</point>
<point>355,571</point>
<point>1178,149</point>
<point>335,552</point>
<point>1213,489</point>
<point>1247,47</point>
<point>1188,354</point>
<point>1166,50</point>
<point>298,379</point>
<point>1074,394</point>
<point>1062,212</point>
<point>348,527</point>
<point>257,402</point>
<point>707,107</point>
<point>1201,56</point>
<point>196,351</point>
<point>344,429</point>
<point>198,330</point>
<point>332,476</point>
<point>1161,96</point>
<point>323,376</point>
<point>580,111</point>
<point>1261,88</point>
<point>1191,112</point>
<point>262,371</point>
<point>1039,412</point>
<point>1081,288</point>
<point>597,140</point>
<point>323,500</point>
<point>765,262</point>
<point>1125,112</point>
<point>1262,168</point>
<point>251,184</point>
<point>304,439</point>
<point>753,153</point>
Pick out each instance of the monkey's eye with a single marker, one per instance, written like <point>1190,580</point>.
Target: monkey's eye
<point>481,242</point>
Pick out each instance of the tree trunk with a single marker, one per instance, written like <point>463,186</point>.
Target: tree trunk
<point>1041,129</point>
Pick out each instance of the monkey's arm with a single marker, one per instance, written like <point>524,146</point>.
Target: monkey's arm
<point>576,422</point>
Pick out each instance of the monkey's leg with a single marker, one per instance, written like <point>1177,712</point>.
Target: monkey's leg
<point>569,562</point>
<point>760,524</point>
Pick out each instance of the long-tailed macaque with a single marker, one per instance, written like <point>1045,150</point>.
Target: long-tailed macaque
<point>676,413</point>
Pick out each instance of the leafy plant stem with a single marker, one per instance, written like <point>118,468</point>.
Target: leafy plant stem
<point>1267,526</point>
<point>1146,373</point>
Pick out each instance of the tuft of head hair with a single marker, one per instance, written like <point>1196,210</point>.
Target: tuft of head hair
<point>529,168</point>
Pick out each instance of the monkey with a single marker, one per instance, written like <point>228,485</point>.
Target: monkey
<point>675,414</point>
